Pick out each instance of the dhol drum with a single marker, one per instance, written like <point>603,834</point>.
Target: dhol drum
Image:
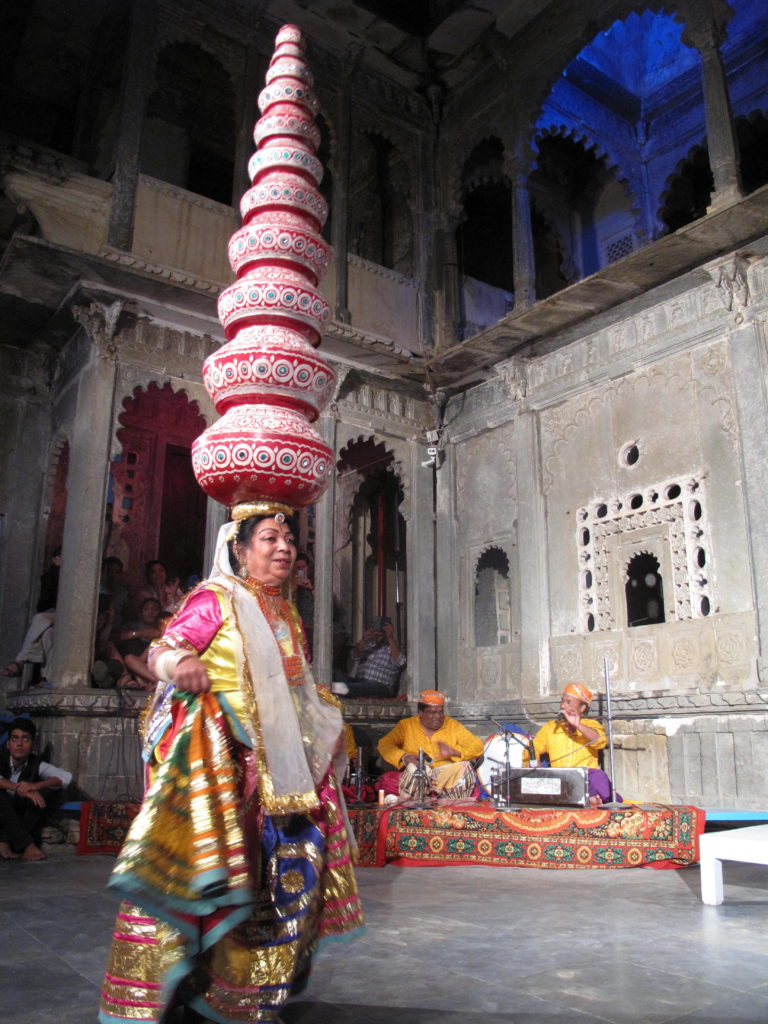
<point>501,751</point>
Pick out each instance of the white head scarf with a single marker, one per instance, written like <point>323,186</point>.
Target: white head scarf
<point>293,731</point>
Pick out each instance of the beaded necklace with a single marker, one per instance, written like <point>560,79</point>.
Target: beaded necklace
<point>283,623</point>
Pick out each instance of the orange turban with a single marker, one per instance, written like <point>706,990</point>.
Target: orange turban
<point>431,697</point>
<point>579,691</point>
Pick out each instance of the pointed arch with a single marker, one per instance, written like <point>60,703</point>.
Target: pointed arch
<point>158,510</point>
<point>643,589</point>
<point>381,214</point>
<point>371,534</point>
<point>688,190</point>
<point>190,121</point>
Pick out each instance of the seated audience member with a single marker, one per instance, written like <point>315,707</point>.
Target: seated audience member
<point>111,583</point>
<point>37,645</point>
<point>49,584</point>
<point>167,591</point>
<point>449,748</point>
<point>572,741</point>
<point>133,643</point>
<point>379,661</point>
<point>24,781</point>
<point>108,668</point>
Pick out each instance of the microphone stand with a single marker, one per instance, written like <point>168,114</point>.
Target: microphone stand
<point>609,711</point>
<point>507,734</point>
<point>359,776</point>
<point>421,778</point>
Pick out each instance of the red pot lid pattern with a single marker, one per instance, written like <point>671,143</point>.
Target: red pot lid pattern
<point>267,381</point>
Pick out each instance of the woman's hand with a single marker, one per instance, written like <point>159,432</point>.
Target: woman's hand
<point>191,676</point>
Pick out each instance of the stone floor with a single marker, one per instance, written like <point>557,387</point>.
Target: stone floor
<point>448,945</point>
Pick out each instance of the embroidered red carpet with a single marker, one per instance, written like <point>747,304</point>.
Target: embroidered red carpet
<point>659,835</point>
<point>563,837</point>
<point>104,826</point>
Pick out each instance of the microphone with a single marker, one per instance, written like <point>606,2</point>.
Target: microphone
<point>510,733</point>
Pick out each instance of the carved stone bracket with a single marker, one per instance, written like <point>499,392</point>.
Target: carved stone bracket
<point>342,372</point>
<point>732,284</point>
<point>514,374</point>
<point>100,323</point>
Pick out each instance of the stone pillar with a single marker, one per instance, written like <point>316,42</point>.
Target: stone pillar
<point>448,282</point>
<point>447,581</point>
<point>137,77</point>
<point>341,191</point>
<point>424,232</point>
<point>89,459</point>
<point>420,554</point>
<point>322,653</point>
<point>532,559</point>
<point>215,517</point>
<point>24,453</point>
<point>705,35</point>
<point>523,263</point>
<point>749,353</point>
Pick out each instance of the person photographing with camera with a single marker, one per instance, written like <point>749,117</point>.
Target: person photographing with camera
<point>379,661</point>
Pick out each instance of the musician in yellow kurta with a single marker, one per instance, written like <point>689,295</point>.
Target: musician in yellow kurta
<point>573,741</point>
<point>447,745</point>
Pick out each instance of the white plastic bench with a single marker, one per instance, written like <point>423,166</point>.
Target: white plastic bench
<point>748,845</point>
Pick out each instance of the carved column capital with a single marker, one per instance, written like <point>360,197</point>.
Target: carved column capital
<point>342,372</point>
<point>731,280</point>
<point>514,373</point>
<point>351,59</point>
<point>705,30</point>
<point>100,323</point>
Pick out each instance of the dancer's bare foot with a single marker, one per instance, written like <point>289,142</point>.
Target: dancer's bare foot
<point>595,801</point>
<point>7,853</point>
<point>33,852</point>
<point>13,670</point>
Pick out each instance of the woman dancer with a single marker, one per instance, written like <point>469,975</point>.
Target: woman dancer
<point>239,860</point>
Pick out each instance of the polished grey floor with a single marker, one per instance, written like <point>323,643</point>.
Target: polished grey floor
<point>448,945</point>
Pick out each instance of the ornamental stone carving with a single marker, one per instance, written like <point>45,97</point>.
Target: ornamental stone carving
<point>100,323</point>
<point>645,657</point>
<point>672,520</point>
<point>683,654</point>
<point>570,665</point>
<point>731,649</point>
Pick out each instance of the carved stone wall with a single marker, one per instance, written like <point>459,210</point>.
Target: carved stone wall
<point>486,515</point>
<point>679,499</point>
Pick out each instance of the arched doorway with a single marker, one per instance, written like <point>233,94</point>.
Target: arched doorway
<point>644,591</point>
<point>493,620</point>
<point>158,510</point>
<point>374,556</point>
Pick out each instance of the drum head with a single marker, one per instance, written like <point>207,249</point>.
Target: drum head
<point>495,756</point>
